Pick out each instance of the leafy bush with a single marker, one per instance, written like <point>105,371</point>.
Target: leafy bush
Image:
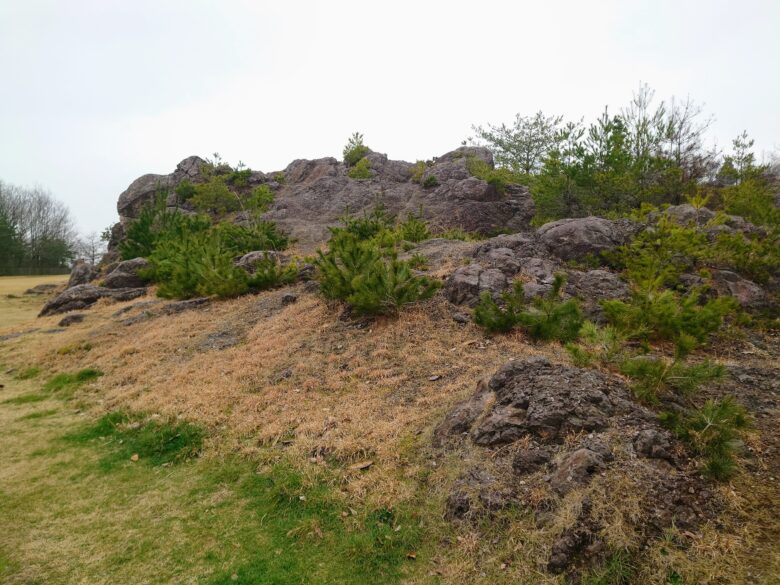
<point>596,344</point>
<point>361,171</point>
<point>418,170</point>
<point>355,150</point>
<point>359,273</point>
<point>547,318</point>
<point>240,239</point>
<point>714,431</point>
<point>498,178</point>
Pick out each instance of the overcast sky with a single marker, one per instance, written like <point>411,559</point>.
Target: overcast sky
<point>97,93</point>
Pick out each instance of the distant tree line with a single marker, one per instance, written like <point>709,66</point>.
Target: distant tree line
<point>38,235</point>
<point>647,153</point>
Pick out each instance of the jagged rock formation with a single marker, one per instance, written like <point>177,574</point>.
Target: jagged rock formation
<point>556,429</point>
<point>311,195</point>
<point>85,295</point>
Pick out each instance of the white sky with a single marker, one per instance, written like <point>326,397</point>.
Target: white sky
<point>97,93</point>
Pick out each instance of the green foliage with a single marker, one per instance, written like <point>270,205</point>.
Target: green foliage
<point>418,170</point>
<point>651,377</point>
<point>367,226</point>
<point>596,344</point>
<point>430,182</point>
<point>185,190</point>
<point>214,196</point>
<point>156,442</point>
<point>413,229</point>
<point>500,318</point>
<point>239,177</point>
<point>198,264</point>
<point>663,315</point>
<point>361,170</point>
<point>369,279</point>
<point>260,199</point>
<point>714,432</point>
<point>355,150</point>
<point>270,273</point>
<point>498,178</point>
<point>547,318</point>
<point>240,239</point>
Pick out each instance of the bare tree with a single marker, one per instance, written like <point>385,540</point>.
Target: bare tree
<point>91,247</point>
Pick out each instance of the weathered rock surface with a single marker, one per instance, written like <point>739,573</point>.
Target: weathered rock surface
<point>567,430</point>
<point>748,294</point>
<point>125,275</point>
<point>85,295</point>
<point>71,319</point>
<point>81,273</point>
<point>576,239</point>
<point>316,194</point>
<point>40,289</point>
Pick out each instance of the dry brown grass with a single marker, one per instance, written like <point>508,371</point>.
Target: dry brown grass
<point>353,394</point>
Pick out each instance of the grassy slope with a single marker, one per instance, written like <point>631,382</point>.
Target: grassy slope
<point>288,412</point>
<point>14,311</point>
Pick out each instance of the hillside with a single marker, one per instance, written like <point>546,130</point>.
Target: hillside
<point>389,372</point>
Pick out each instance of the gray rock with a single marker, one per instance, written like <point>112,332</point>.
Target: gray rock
<point>81,273</point>
<point>687,214</point>
<point>188,305</point>
<point>86,295</point>
<point>594,286</point>
<point>577,239</point>
<point>69,320</point>
<point>530,460</point>
<point>125,275</point>
<point>40,289</point>
<point>653,444</point>
<point>575,470</point>
<point>748,294</point>
<point>466,284</point>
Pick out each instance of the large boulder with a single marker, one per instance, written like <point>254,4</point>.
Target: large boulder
<point>747,293</point>
<point>82,273</point>
<point>144,189</point>
<point>85,295</point>
<point>467,283</point>
<point>126,274</point>
<point>579,238</point>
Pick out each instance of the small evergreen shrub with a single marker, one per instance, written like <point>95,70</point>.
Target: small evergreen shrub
<point>361,171</point>
<point>498,178</point>
<point>185,191</point>
<point>359,273</point>
<point>269,273</point>
<point>418,170</point>
<point>547,318</point>
<point>214,196</point>
<point>714,431</point>
<point>355,150</point>
<point>367,226</point>
<point>596,345</point>
<point>260,199</point>
<point>413,229</point>
<point>430,182</point>
<point>651,377</point>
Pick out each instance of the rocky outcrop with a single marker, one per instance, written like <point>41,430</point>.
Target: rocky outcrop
<point>126,274</point>
<point>577,239</point>
<point>82,273</point>
<point>312,195</point>
<point>85,295</point>
<point>552,428</point>
<point>144,189</point>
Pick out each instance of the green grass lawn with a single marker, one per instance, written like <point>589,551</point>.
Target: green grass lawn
<point>127,499</point>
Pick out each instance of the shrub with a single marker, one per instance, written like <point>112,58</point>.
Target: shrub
<point>547,318</point>
<point>198,264</point>
<point>413,229</point>
<point>361,171</point>
<point>215,196</point>
<point>500,318</point>
<point>498,178</point>
<point>654,315</point>
<point>714,431</point>
<point>596,344</point>
<point>239,177</point>
<point>368,226</point>
<point>269,273</point>
<point>418,170</point>
<point>357,272</point>
<point>355,150</point>
<point>430,182</point>
<point>240,239</point>
<point>650,377</point>
<point>260,199</point>
<point>185,190</point>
